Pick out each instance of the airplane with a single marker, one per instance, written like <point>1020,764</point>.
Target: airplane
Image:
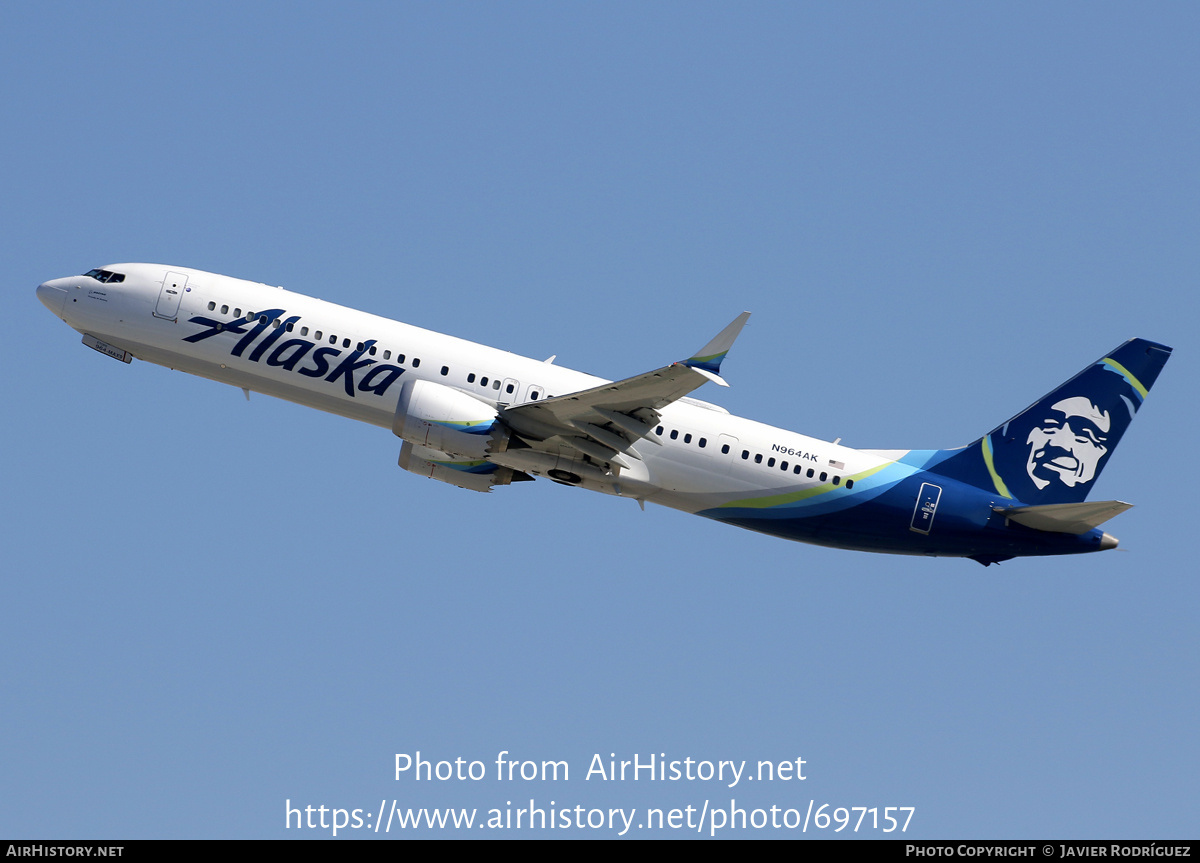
<point>477,417</point>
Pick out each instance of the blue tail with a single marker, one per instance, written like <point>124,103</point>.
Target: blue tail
<point>1053,451</point>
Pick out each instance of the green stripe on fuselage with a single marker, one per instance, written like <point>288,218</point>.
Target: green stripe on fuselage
<point>795,496</point>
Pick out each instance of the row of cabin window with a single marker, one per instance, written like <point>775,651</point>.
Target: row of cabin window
<point>534,394</point>
<point>318,335</point>
<point>687,438</point>
<point>797,469</point>
<point>510,389</point>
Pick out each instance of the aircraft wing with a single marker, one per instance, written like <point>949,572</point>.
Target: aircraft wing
<point>605,420</point>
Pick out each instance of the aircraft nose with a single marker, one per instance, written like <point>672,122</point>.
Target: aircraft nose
<point>52,297</point>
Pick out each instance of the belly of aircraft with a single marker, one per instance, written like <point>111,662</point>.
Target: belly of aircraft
<point>897,521</point>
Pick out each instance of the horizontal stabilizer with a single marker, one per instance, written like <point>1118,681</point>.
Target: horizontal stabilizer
<point>1077,518</point>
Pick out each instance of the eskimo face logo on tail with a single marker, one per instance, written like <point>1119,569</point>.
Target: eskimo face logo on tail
<point>297,354</point>
<point>1052,452</point>
<point>1068,444</point>
<point>1055,450</point>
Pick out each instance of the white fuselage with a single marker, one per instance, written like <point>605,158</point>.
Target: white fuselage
<point>359,351</point>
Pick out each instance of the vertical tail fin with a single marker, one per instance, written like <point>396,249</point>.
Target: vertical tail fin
<point>1053,451</point>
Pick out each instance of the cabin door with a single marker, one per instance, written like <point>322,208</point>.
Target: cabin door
<point>173,286</point>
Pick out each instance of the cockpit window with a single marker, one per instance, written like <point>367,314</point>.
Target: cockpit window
<point>105,276</point>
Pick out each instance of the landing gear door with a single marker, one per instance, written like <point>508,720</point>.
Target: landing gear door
<point>173,286</point>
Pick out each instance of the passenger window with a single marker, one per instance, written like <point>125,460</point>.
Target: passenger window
<point>304,331</point>
<point>674,434</point>
<point>533,395</point>
<point>508,389</point>
<point>212,306</point>
<point>496,384</point>
<point>345,343</point>
<point>224,310</point>
<point>483,381</point>
<point>758,458</point>
<point>849,484</point>
<point>725,449</point>
<point>276,323</point>
<point>445,370</point>
<point>658,431</point>
<point>262,319</point>
<point>745,454</point>
<point>372,350</point>
<point>687,438</point>
<point>317,334</point>
<point>332,339</point>
<point>471,378</point>
<point>416,361</point>
<point>837,480</point>
<point>400,358</point>
<point>810,473</point>
<point>783,465</point>
<point>291,327</point>
<point>387,355</point>
<point>824,476</point>
<point>771,462</point>
<point>237,313</point>
<point>796,470</point>
<point>703,443</point>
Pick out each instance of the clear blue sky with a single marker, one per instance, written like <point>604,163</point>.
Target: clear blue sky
<point>936,212</point>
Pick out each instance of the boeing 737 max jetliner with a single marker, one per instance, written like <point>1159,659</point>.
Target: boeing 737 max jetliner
<point>477,417</point>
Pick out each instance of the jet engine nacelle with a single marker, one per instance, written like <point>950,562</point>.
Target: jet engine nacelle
<point>473,475</point>
<point>442,418</point>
